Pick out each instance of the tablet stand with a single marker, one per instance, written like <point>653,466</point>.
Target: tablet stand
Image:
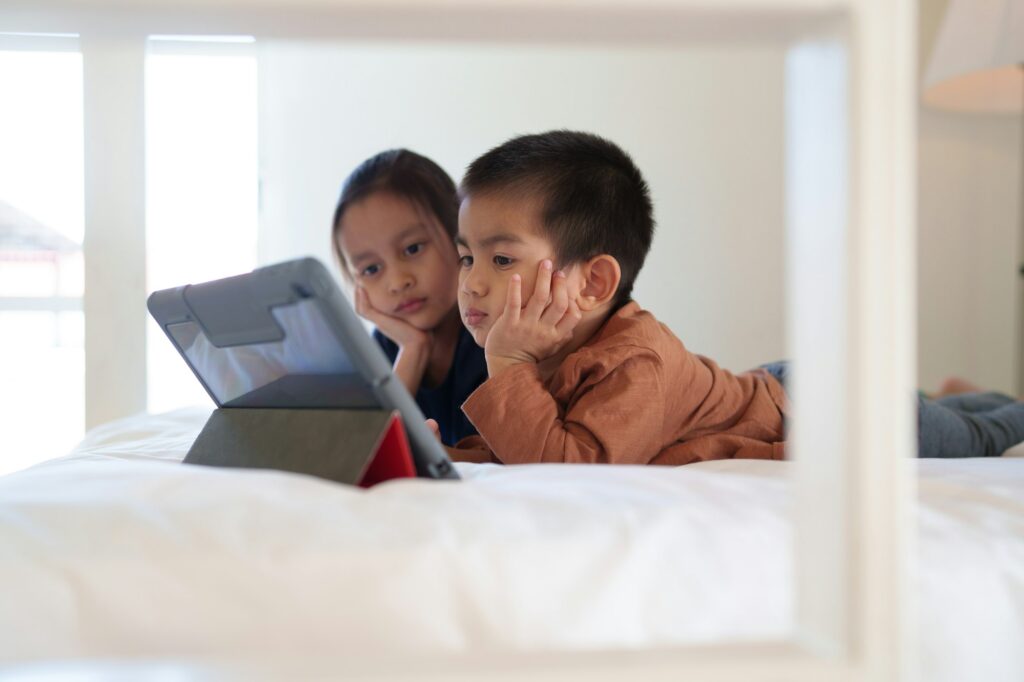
<point>359,447</point>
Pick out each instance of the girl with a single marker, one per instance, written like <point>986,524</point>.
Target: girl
<point>393,234</point>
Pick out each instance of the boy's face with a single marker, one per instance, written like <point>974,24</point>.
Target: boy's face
<point>499,237</point>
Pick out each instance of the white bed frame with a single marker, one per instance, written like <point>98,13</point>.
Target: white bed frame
<point>851,298</point>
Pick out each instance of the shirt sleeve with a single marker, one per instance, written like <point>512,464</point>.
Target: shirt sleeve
<point>618,418</point>
<point>472,449</point>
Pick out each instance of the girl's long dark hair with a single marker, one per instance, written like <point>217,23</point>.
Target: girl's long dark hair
<point>405,174</point>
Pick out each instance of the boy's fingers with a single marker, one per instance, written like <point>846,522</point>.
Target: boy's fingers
<point>559,300</point>
<point>569,320</point>
<point>541,290</point>
<point>434,428</point>
<point>514,300</point>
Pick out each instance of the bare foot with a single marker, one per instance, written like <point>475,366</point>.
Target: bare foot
<point>956,386</point>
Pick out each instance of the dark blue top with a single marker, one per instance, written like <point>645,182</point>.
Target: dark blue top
<point>444,401</point>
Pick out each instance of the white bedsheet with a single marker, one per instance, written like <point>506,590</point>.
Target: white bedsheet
<point>119,551</point>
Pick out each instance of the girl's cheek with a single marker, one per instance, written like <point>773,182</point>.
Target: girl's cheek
<point>373,295</point>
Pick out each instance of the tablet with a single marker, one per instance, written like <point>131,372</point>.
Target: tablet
<point>284,336</point>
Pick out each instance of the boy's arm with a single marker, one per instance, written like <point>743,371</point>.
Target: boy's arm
<point>469,449</point>
<point>472,449</point>
<point>618,419</point>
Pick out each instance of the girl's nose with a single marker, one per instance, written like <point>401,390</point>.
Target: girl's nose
<point>400,282</point>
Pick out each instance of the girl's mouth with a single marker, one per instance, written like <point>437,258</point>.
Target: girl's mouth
<point>410,306</point>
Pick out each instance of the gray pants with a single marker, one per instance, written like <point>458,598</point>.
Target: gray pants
<point>965,425</point>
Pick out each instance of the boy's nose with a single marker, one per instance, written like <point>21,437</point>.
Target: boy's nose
<point>472,285</point>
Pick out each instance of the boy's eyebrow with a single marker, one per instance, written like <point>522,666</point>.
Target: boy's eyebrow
<point>503,238</point>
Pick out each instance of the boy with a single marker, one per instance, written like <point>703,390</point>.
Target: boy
<point>579,373</point>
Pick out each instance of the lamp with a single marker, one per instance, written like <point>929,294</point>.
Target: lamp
<point>978,61</point>
<point>977,65</point>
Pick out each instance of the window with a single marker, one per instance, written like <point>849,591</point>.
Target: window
<point>42,363</point>
<point>201,183</point>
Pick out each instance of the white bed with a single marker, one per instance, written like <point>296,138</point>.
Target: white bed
<point>118,551</point>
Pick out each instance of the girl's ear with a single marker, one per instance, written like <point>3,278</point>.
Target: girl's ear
<point>601,276</point>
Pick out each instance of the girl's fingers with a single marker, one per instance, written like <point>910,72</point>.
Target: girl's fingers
<point>541,291</point>
<point>559,300</point>
<point>365,308</point>
<point>361,303</point>
<point>514,300</point>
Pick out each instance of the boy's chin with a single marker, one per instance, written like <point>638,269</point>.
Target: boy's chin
<point>479,335</point>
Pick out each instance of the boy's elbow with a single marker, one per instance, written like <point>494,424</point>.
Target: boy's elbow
<point>576,445</point>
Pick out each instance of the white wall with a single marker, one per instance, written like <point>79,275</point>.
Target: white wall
<point>704,125</point>
<point>969,243</point>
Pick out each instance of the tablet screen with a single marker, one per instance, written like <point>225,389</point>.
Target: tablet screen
<point>305,366</point>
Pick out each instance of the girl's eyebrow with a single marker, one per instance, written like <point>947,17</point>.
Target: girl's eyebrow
<point>409,231</point>
<point>360,257</point>
<point>400,237</point>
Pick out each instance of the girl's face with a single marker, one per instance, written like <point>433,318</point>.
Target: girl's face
<point>402,257</point>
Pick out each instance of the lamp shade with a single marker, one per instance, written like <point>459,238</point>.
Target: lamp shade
<point>978,60</point>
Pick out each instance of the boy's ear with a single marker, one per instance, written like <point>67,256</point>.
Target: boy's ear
<point>601,276</point>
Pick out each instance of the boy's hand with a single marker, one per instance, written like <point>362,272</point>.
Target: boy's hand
<point>537,330</point>
<point>406,336</point>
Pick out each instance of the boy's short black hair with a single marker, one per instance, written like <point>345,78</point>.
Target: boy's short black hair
<point>593,198</point>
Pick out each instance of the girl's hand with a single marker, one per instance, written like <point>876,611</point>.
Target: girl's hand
<point>434,428</point>
<point>536,331</point>
<point>406,336</point>
<point>414,345</point>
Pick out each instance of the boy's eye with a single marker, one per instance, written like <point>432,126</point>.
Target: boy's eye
<point>502,261</point>
<point>413,249</point>
<point>465,261</point>
<point>369,270</point>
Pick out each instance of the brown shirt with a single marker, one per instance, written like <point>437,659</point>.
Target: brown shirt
<point>631,395</point>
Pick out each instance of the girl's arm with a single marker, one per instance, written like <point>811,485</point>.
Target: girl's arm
<point>411,363</point>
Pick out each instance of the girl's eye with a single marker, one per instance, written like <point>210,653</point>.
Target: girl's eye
<point>413,249</point>
<point>465,261</point>
<point>502,261</point>
<point>370,270</point>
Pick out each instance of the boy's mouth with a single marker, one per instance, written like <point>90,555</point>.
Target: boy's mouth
<point>474,317</point>
<point>410,305</point>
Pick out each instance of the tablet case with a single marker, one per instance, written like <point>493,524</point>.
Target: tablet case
<point>302,422</point>
<point>358,447</point>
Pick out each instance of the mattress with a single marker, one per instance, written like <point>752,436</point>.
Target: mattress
<point>119,551</point>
